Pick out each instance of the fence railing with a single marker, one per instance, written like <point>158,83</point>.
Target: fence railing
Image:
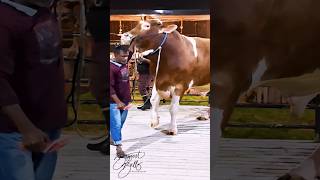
<point>315,127</point>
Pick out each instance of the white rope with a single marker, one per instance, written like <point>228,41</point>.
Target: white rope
<point>157,68</point>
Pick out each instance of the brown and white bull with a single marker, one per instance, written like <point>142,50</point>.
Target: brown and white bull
<point>272,43</point>
<point>177,61</point>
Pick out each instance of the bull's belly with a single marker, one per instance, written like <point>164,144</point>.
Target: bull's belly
<point>295,86</point>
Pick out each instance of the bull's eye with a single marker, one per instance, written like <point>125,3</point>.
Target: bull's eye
<point>145,26</point>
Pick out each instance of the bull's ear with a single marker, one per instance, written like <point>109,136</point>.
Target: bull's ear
<point>169,29</point>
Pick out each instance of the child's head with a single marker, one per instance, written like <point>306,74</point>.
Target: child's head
<point>121,54</point>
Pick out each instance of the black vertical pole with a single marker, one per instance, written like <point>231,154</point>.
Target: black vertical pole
<point>317,123</point>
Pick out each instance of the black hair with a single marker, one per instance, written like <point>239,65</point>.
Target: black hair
<point>119,47</point>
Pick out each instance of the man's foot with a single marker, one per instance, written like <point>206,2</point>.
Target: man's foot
<point>98,146</point>
<point>120,152</point>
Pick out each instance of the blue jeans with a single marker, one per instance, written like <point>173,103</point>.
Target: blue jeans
<point>18,164</point>
<point>117,119</point>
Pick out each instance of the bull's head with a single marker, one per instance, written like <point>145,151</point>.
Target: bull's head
<point>147,34</point>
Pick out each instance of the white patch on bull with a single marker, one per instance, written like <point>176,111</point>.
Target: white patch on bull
<point>147,52</point>
<point>194,45</point>
<point>298,104</point>
<point>155,100</point>
<point>126,38</point>
<point>190,84</point>
<point>217,115</point>
<point>258,73</point>
<point>306,170</point>
<point>145,25</point>
<point>164,94</point>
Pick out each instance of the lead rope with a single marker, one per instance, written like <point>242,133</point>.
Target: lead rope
<point>157,68</point>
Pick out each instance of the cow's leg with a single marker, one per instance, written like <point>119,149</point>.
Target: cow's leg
<point>155,101</point>
<point>174,107</point>
<point>176,93</point>
<point>226,90</point>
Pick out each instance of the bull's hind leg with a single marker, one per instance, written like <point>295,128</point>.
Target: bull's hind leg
<point>223,103</point>
<point>226,91</point>
<point>176,93</point>
<point>308,170</point>
<point>155,101</point>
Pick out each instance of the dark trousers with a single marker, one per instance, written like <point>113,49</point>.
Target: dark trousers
<point>144,83</point>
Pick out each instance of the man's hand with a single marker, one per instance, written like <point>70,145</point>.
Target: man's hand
<point>35,140</point>
<point>120,105</point>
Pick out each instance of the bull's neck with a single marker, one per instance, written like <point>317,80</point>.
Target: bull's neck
<point>169,51</point>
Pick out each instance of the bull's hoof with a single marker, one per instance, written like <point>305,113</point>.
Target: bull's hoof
<point>290,177</point>
<point>202,118</point>
<point>169,132</point>
<point>172,133</point>
<point>154,125</point>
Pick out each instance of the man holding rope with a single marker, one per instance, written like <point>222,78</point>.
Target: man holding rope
<point>119,94</point>
<point>32,104</point>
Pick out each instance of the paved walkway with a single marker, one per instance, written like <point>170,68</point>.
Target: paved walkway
<point>186,156</point>
<point>156,156</point>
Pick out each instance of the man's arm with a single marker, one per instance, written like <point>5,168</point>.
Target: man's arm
<point>33,138</point>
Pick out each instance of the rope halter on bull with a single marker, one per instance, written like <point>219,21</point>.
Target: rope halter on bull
<point>159,49</point>
<point>147,53</point>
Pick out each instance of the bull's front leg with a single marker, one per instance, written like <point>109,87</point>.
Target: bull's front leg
<point>174,107</point>
<point>155,101</point>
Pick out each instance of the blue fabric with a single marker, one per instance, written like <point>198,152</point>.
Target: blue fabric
<point>117,119</point>
<point>18,164</point>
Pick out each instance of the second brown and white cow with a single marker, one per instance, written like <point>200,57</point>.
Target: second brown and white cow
<point>177,61</point>
<point>266,43</point>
